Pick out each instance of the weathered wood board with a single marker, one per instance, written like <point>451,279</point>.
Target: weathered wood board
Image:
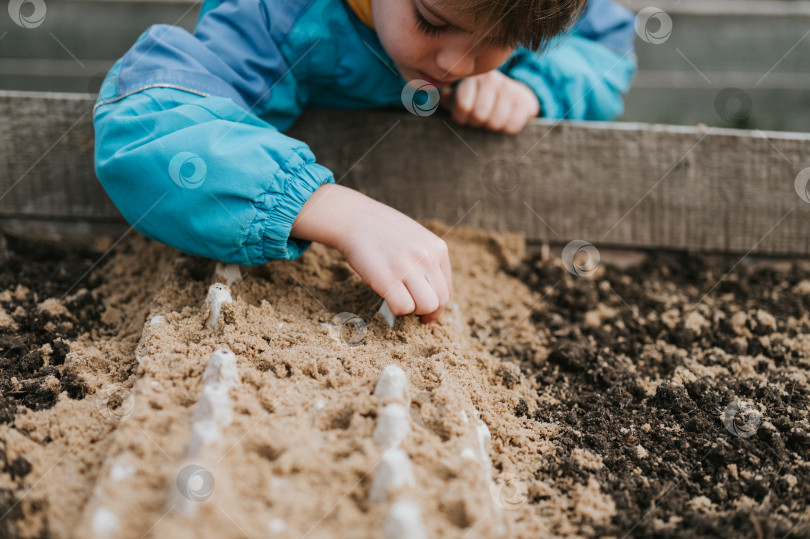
<point>611,184</point>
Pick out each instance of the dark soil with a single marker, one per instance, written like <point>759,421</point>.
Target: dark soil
<point>757,484</point>
<point>27,372</point>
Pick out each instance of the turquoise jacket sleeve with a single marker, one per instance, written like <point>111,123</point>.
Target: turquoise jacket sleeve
<point>185,147</point>
<point>583,75</point>
<point>203,175</point>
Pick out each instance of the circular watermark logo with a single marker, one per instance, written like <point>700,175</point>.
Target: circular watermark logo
<point>741,419</point>
<point>428,410</point>
<point>509,492</point>
<point>501,177</point>
<point>349,328</point>
<point>195,483</point>
<point>188,170</point>
<point>653,25</point>
<point>27,13</point>
<point>580,258</point>
<point>420,97</point>
<point>801,185</point>
<point>733,105</point>
<point>115,403</point>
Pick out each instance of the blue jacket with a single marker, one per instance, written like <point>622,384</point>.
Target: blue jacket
<point>189,127</point>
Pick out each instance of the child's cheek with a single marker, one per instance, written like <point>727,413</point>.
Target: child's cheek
<point>401,39</point>
<point>407,55</point>
<point>494,58</point>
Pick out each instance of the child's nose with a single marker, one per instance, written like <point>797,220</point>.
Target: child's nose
<point>455,61</point>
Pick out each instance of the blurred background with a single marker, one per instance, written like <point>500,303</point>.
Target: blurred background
<point>725,63</point>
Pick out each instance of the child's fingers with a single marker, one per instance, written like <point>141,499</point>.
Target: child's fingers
<point>437,280</point>
<point>399,300</point>
<point>432,317</point>
<point>465,100</point>
<point>423,295</point>
<point>441,281</point>
<point>501,114</point>
<point>444,264</point>
<point>485,102</point>
<point>517,122</point>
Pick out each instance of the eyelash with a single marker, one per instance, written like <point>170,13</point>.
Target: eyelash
<point>425,26</point>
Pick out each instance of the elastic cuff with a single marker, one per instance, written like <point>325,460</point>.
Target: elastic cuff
<point>269,234</point>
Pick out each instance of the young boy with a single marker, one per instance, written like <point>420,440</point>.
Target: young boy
<point>189,141</point>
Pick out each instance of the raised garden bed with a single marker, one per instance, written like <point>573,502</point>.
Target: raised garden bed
<point>542,403</point>
<point>667,397</point>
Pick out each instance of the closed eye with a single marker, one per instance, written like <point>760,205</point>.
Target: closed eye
<point>425,26</point>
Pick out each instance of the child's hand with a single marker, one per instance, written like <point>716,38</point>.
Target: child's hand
<point>492,100</point>
<point>399,258</point>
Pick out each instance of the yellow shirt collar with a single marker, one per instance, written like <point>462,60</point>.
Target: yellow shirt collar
<point>362,8</point>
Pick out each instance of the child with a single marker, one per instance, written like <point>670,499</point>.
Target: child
<point>189,141</point>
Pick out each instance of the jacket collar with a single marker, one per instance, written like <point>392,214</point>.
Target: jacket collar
<point>362,8</point>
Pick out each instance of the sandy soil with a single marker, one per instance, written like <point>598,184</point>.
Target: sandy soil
<point>541,404</point>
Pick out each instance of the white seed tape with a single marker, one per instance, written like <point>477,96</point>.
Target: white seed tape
<point>214,405</point>
<point>221,369</point>
<point>484,438</point>
<point>477,444</point>
<point>483,441</point>
<point>393,473</point>
<point>218,295</point>
<point>404,521</point>
<point>229,273</point>
<point>121,471</point>
<point>277,526</point>
<point>388,316</point>
<point>104,522</point>
<point>203,434</point>
<point>392,385</point>
<point>393,425</point>
<point>214,410</point>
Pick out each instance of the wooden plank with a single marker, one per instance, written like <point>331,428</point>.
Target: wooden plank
<point>46,160</point>
<point>612,184</point>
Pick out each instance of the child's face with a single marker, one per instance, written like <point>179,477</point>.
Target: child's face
<point>425,42</point>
